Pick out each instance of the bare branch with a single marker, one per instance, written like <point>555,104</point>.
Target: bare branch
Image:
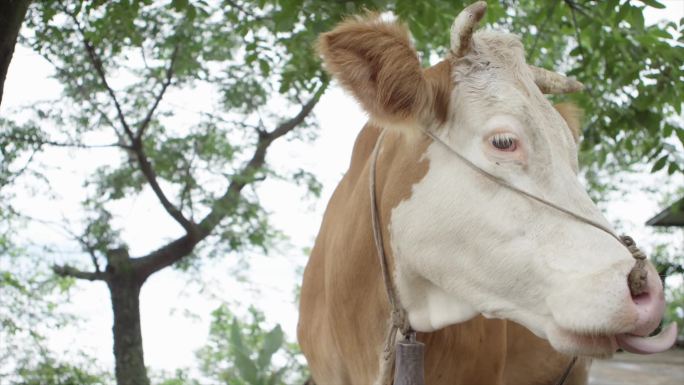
<point>289,125</point>
<point>45,142</point>
<point>167,81</point>
<point>144,57</point>
<point>70,271</point>
<point>85,245</point>
<point>15,175</point>
<point>186,192</point>
<point>151,176</point>
<point>93,257</point>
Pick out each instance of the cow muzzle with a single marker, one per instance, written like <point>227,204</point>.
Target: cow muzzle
<point>648,300</point>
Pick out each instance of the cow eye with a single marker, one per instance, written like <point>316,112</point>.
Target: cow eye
<point>504,142</point>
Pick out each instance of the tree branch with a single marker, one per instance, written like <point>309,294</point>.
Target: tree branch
<point>15,175</point>
<point>167,81</point>
<point>99,68</point>
<point>81,239</point>
<point>45,142</point>
<point>81,89</point>
<point>151,176</point>
<point>136,139</point>
<point>12,15</point>
<point>228,202</point>
<point>289,125</point>
<point>222,206</point>
<point>145,164</point>
<point>70,271</point>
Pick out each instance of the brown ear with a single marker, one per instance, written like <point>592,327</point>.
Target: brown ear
<point>572,116</point>
<point>375,60</point>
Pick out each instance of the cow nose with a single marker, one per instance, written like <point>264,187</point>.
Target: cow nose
<point>648,297</point>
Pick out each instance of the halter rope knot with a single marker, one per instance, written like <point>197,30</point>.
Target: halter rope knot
<point>637,278</point>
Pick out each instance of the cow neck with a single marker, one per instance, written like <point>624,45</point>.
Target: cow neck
<point>399,321</point>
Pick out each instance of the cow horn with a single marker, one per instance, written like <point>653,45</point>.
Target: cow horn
<point>463,27</point>
<point>554,83</point>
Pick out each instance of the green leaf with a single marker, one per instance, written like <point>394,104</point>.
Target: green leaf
<point>661,33</point>
<point>273,340</point>
<point>265,67</point>
<point>660,163</point>
<point>636,18</point>
<point>680,135</point>
<point>236,336</point>
<point>179,5</point>
<point>276,377</point>
<point>672,168</point>
<point>248,371</point>
<point>653,3</point>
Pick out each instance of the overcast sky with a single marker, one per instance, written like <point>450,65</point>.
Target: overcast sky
<point>170,336</point>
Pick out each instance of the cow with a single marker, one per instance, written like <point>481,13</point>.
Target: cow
<point>501,288</point>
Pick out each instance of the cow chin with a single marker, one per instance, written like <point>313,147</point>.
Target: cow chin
<point>575,344</point>
<point>563,340</point>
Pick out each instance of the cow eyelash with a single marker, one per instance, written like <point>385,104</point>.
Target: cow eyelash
<point>504,142</point>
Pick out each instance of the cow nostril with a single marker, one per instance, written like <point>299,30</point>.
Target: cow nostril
<point>638,279</point>
<point>641,299</point>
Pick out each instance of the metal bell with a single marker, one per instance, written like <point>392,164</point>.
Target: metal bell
<point>408,366</point>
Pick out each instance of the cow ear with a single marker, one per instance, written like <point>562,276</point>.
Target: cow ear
<point>572,116</point>
<point>375,60</point>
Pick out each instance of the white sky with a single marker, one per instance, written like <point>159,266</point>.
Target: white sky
<point>170,337</point>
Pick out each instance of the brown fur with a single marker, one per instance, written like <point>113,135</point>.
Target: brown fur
<point>572,116</point>
<point>439,80</point>
<point>532,361</point>
<point>375,60</point>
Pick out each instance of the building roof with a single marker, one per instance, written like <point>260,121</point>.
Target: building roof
<point>671,216</point>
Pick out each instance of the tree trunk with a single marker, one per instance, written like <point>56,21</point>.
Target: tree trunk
<point>124,288</point>
<point>12,13</point>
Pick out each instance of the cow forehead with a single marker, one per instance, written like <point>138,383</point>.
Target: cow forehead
<point>496,71</point>
<point>494,79</point>
<point>493,49</point>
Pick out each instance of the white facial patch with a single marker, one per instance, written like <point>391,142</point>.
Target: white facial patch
<point>463,245</point>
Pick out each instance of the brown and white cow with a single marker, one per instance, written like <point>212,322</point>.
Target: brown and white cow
<point>470,260</point>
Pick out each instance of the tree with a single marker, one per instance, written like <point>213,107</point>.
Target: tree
<point>177,44</point>
<point>119,61</point>
<point>12,13</point>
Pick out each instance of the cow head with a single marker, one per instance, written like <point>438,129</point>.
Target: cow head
<point>462,244</point>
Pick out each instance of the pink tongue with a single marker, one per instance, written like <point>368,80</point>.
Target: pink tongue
<point>648,345</point>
